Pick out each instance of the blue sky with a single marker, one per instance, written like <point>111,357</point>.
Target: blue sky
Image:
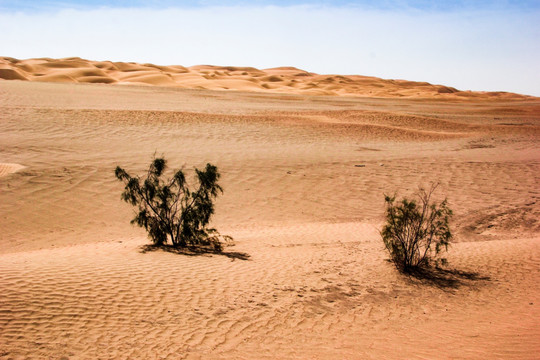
<point>476,45</point>
<point>437,5</point>
<point>379,4</point>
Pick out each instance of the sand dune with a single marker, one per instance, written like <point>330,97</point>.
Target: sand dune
<point>288,80</point>
<point>303,178</point>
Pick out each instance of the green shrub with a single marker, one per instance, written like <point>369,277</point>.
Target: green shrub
<point>168,209</point>
<point>416,231</point>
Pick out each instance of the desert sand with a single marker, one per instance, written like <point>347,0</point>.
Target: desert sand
<point>304,178</point>
<point>210,77</point>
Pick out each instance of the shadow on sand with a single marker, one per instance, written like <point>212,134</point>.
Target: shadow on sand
<point>445,278</point>
<point>195,251</point>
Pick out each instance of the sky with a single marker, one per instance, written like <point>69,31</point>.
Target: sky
<point>485,45</point>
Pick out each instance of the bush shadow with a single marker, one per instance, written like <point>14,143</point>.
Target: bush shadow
<point>195,251</point>
<point>445,278</point>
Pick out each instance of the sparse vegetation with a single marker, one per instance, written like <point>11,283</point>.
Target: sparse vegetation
<point>169,210</point>
<point>416,231</point>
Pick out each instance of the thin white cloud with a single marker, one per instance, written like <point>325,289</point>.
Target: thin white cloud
<point>469,50</point>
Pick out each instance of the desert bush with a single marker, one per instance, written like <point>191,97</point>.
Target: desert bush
<point>416,231</point>
<point>168,209</point>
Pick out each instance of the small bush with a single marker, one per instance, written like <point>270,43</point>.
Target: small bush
<point>168,209</point>
<point>416,231</point>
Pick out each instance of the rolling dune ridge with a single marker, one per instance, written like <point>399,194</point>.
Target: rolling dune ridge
<point>288,80</point>
<point>304,179</point>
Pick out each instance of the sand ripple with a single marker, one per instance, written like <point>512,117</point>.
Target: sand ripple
<point>6,169</point>
<point>306,291</point>
<point>304,179</point>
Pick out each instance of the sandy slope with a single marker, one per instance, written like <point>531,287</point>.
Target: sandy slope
<point>276,80</point>
<point>74,281</point>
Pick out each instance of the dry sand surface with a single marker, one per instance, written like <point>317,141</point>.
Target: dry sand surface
<point>75,283</point>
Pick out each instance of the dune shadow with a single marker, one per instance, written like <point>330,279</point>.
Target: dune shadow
<point>195,251</point>
<point>446,278</point>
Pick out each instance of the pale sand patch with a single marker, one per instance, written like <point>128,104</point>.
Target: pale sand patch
<point>6,169</point>
<point>304,179</point>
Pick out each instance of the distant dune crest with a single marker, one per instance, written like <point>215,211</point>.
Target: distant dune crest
<point>279,79</point>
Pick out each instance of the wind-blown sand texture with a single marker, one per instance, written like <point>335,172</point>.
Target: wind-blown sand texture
<point>6,169</point>
<point>275,80</point>
<point>304,178</point>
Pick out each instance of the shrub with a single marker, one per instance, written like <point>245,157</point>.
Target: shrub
<point>416,230</point>
<point>168,209</point>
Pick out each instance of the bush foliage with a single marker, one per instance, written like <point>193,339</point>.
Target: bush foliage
<point>169,210</point>
<point>416,231</point>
